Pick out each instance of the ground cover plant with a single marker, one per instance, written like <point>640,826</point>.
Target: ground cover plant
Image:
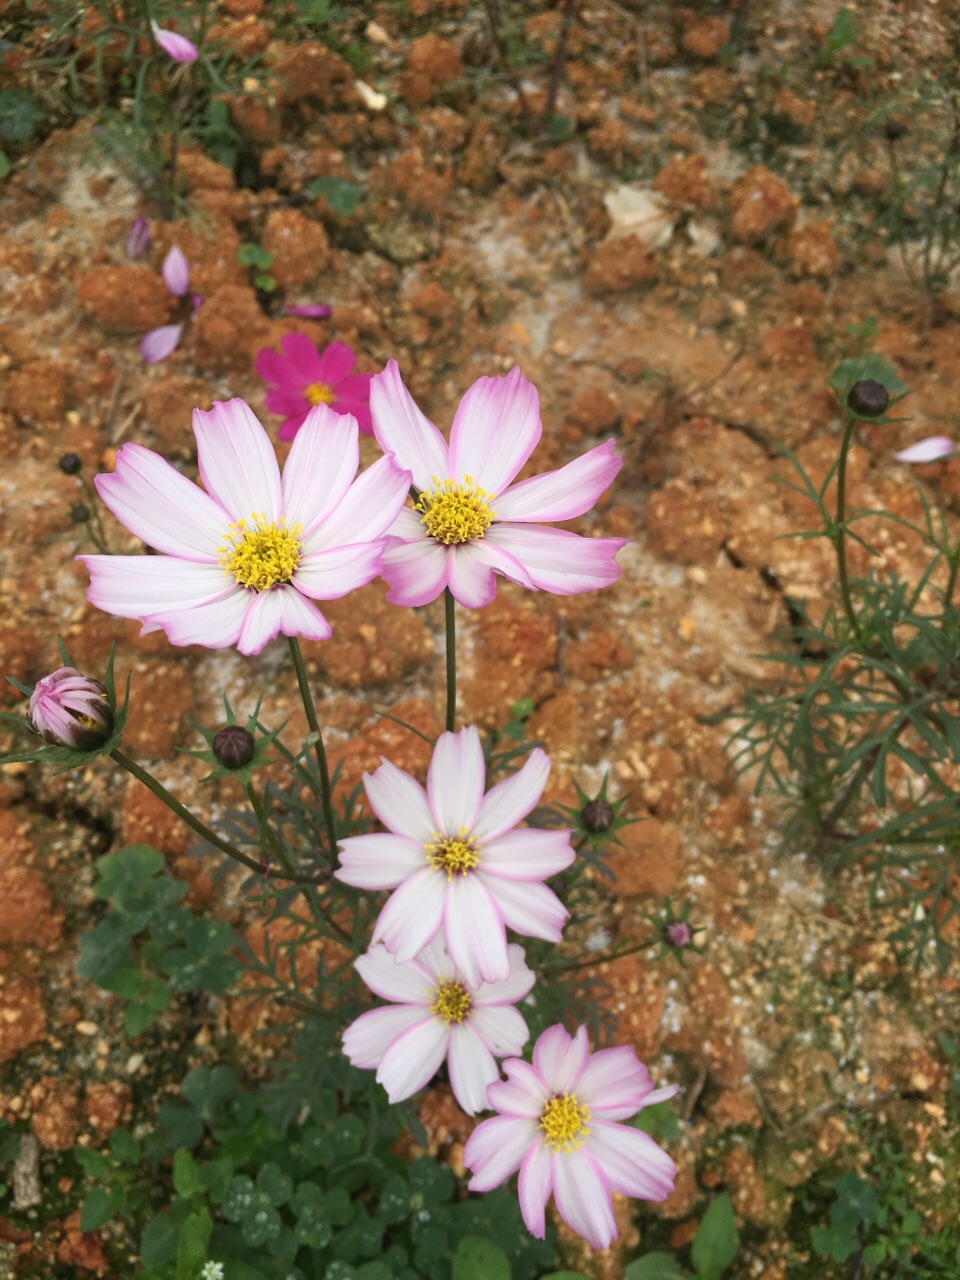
<point>517,847</point>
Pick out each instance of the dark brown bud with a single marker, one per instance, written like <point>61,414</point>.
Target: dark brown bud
<point>70,464</point>
<point>596,816</point>
<point>234,746</point>
<point>894,129</point>
<point>868,399</point>
<point>79,513</point>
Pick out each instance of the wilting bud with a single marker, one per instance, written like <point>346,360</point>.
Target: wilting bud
<point>867,398</point>
<point>71,710</point>
<point>234,746</point>
<point>597,816</point>
<point>70,464</point>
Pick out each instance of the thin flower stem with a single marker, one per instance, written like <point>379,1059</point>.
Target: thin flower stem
<point>326,796</point>
<point>595,960</point>
<point>840,528</point>
<point>451,630</point>
<point>192,821</point>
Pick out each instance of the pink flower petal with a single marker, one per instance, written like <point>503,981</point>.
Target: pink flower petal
<point>632,1162</point>
<point>534,1187</point>
<point>526,854</point>
<point>162,507</point>
<point>299,616</point>
<point>400,803</point>
<point>290,426</point>
<point>663,1094</point>
<point>355,387</point>
<point>928,450</point>
<point>328,575</point>
<point>273,367</point>
<point>522,1094</point>
<point>319,469</point>
<point>474,932</point>
<point>502,1029</point>
<point>135,586</point>
<point>177,47</point>
<point>176,272</point>
<point>415,572</point>
<point>238,465</point>
<point>512,798</point>
<point>414,1058</point>
<point>528,907</point>
<point>563,494</point>
<point>583,1198</point>
<point>358,409</point>
<point>367,1039</point>
<point>304,362</point>
<point>367,510</point>
<point>615,1083</point>
<point>159,343</point>
<point>560,1059</point>
<point>336,362</point>
<point>471,1067</point>
<point>455,781</point>
<point>309,310</point>
<point>471,572</point>
<point>261,622</point>
<point>401,983</point>
<point>512,988</point>
<point>214,625</point>
<point>412,915</point>
<point>495,430</point>
<point>402,429</point>
<point>139,238</point>
<point>496,1149</point>
<point>379,861</point>
<point>557,561</point>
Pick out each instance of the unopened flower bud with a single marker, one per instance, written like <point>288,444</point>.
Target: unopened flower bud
<point>868,399</point>
<point>234,746</point>
<point>70,464</point>
<point>71,710</point>
<point>79,513</point>
<point>678,933</point>
<point>894,129</point>
<point>597,816</point>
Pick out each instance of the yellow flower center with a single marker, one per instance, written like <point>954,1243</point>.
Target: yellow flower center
<point>565,1122</point>
<point>455,512</point>
<point>262,556</point>
<point>451,1002</point>
<point>319,393</point>
<point>455,856</point>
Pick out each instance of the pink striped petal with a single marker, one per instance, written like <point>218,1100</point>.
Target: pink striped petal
<point>474,932</point>
<point>527,854</point>
<point>177,47</point>
<point>559,1059</point>
<point>522,1094</point>
<point>379,861</point>
<point>495,1150</point>
<point>270,612</point>
<point>583,1198</point>
<point>528,907</point>
<point>663,1094</point>
<point>402,429</point>
<point>512,988</point>
<point>414,1058</point>
<point>631,1161</point>
<point>214,625</point>
<point>162,507</point>
<point>367,510</point>
<point>412,915</point>
<point>471,570</point>
<point>238,466</point>
<point>512,798</point>
<point>615,1083</point>
<point>328,575</point>
<point>176,272</point>
<point>319,469</point>
<point>563,494</point>
<point>534,1187</point>
<point>401,983</point>
<point>415,572</point>
<point>159,343</point>
<point>501,1029</point>
<point>455,781</point>
<point>367,1039</point>
<point>400,803</point>
<point>138,586</point>
<point>928,450</point>
<point>558,561</point>
<point>495,430</point>
<point>471,1067</point>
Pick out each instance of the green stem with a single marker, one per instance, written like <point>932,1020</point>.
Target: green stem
<point>326,796</point>
<point>451,630</point>
<point>192,821</point>
<point>840,532</point>
<point>951,582</point>
<point>607,959</point>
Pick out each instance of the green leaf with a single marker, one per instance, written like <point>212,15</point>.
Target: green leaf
<point>192,1247</point>
<point>266,283</point>
<point>276,1185</point>
<point>207,1088</point>
<point>95,1163</point>
<point>104,951</point>
<point>97,1210</point>
<point>833,1242</point>
<point>187,1181</point>
<point>5,165</point>
<point>158,1244</point>
<point>254,255</point>
<point>480,1259</point>
<point>654,1266</point>
<point>124,1147</point>
<point>19,114</point>
<point>715,1244</point>
<point>342,197</point>
<point>875,1253</point>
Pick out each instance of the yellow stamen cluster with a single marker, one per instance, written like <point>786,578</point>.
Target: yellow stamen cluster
<point>455,856</point>
<point>565,1122</point>
<point>451,1002</point>
<point>455,512</point>
<point>260,556</point>
<point>319,393</point>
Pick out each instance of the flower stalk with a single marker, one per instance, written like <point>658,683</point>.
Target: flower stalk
<point>450,618</point>
<point>326,794</point>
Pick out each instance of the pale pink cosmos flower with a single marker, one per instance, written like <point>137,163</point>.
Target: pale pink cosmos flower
<point>470,521</point>
<point>71,710</point>
<point>558,1126</point>
<point>305,376</point>
<point>177,47</point>
<point>456,861</point>
<point>929,450</point>
<point>245,560</point>
<point>437,1015</point>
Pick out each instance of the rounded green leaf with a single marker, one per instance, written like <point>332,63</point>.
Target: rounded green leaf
<point>480,1259</point>
<point>715,1244</point>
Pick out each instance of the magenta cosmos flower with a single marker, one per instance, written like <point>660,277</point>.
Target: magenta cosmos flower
<point>306,377</point>
<point>245,560</point>
<point>558,1126</point>
<point>71,710</point>
<point>454,860</point>
<point>470,522</point>
<point>175,46</point>
<point>437,1015</point>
